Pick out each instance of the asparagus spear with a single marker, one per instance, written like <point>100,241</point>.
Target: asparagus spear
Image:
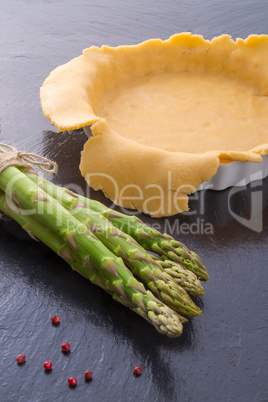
<point>114,274</point>
<point>38,231</point>
<point>187,279</point>
<point>149,238</point>
<point>135,257</point>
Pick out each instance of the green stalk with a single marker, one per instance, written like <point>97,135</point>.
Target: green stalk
<point>39,231</point>
<point>135,257</point>
<point>27,196</point>
<point>149,238</point>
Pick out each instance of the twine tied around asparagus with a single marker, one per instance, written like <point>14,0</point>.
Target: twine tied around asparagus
<point>9,156</point>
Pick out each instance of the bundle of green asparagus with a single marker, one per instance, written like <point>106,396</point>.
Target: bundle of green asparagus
<point>108,247</point>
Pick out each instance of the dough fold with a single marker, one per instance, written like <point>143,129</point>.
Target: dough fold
<point>139,177</point>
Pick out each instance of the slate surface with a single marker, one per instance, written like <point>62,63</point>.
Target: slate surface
<point>221,356</point>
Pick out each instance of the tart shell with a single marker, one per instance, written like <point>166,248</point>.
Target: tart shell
<point>135,174</point>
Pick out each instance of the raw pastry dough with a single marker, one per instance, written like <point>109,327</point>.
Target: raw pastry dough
<point>163,114</point>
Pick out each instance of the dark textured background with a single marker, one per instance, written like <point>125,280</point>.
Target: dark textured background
<point>221,356</point>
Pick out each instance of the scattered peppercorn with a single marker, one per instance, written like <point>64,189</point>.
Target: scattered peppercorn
<point>72,381</point>
<point>21,358</point>
<point>65,347</point>
<point>137,370</point>
<point>48,365</point>
<point>88,375</point>
<point>55,318</point>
